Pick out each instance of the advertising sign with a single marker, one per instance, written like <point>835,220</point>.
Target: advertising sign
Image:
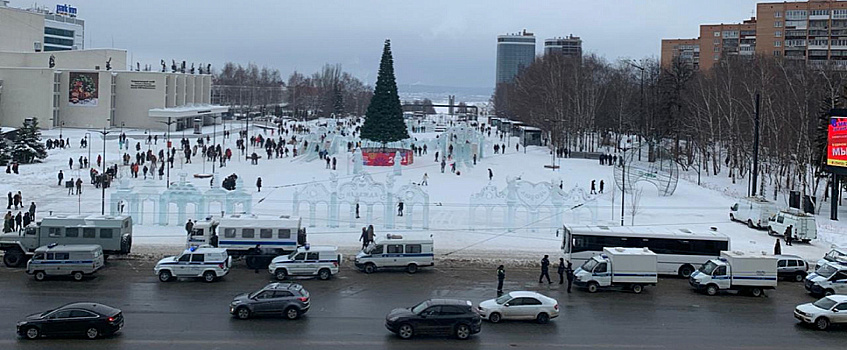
<point>84,89</point>
<point>836,142</point>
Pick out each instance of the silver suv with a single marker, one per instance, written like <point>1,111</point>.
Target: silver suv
<point>288,299</point>
<point>791,267</point>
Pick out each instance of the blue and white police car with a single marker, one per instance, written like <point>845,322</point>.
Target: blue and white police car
<point>204,262</point>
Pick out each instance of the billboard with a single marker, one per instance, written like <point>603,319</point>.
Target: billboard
<point>836,142</point>
<point>84,88</point>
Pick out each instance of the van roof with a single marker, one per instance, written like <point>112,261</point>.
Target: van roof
<point>405,238</point>
<point>199,250</point>
<point>757,200</point>
<point>69,248</point>
<point>318,248</point>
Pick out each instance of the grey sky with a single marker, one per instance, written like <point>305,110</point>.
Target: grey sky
<point>450,43</point>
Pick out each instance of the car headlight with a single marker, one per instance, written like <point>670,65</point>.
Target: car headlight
<point>21,323</point>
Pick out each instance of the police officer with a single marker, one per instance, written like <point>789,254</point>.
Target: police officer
<point>501,275</point>
<point>561,270</point>
<point>570,275</point>
<point>545,269</point>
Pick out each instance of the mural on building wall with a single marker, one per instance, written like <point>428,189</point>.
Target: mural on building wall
<point>84,89</point>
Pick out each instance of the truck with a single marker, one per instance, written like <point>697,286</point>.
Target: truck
<point>623,268</point>
<point>804,228</point>
<point>753,211</point>
<point>258,239</point>
<point>112,233</point>
<point>734,270</point>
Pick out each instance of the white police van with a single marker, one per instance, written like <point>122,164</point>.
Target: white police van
<point>206,262</point>
<point>76,260</point>
<point>396,251</point>
<point>830,278</point>
<point>321,261</point>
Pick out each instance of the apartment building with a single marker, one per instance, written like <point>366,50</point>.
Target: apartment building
<point>568,46</point>
<point>687,50</point>
<point>719,40</point>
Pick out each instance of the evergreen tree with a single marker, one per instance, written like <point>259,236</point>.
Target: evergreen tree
<point>338,102</point>
<point>384,117</point>
<point>28,146</point>
<point>5,157</point>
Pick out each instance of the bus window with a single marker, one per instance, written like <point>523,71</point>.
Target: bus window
<point>72,232</point>
<point>247,233</point>
<point>395,249</point>
<point>105,233</point>
<point>413,248</point>
<point>284,233</point>
<point>229,233</point>
<point>55,232</point>
<point>88,232</point>
<point>266,233</point>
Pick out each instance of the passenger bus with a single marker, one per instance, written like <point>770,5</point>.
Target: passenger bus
<point>247,234</point>
<point>679,250</point>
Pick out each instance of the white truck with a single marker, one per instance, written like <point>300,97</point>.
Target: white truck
<point>744,272</point>
<point>753,211</point>
<point>625,268</point>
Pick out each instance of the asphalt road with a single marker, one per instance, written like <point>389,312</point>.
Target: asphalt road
<point>349,311</point>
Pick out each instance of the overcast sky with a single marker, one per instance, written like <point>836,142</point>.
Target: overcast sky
<point>449,43</point>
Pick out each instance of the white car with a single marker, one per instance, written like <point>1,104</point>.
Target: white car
<point>824,312</point>
<point>519,306</point>
<point>208,263</point>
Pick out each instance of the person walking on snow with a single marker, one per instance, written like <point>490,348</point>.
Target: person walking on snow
<point>561,270</point>
<point>189,226</point>
<point>424,182</point>
<point>570,276</point>
<point>490,174</point>
<point>593,190</point>
<point>61,177</point>
<point>400,209</point>
<point>259,184</point>
<point>545,269</point>
<point>787,235</point>
<point>601,186</point>
<point>364,237</point>
<point>777,250</point>
<point>501,275</point>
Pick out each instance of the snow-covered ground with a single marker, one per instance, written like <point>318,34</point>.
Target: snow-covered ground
<point>455,232</point>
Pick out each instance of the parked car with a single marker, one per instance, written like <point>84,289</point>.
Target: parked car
<point>77,319</point>
<point>437,317</point>
<point>824,312</point>
<point>836,255</point>
<point>519,305</point>
<point>205,262</point>
<point>791,267</point>
<point>288,299</point>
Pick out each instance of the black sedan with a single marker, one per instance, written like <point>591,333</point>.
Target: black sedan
<point>77,319</point>
<point>436,317</point>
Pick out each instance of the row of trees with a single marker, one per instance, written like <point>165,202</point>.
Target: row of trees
<point>330,91</point>
<point>248,87</point>
<point>705,118</point>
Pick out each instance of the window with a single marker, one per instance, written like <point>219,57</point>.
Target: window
<point>229,233</point>
<point>63,256</point>
<point>717,34</point>
<point>777,43</point>
<point>55,232</point>
<point>820,12</point>
<point>313,256</point>
<point>601,268</point>
<point>432,311</point>
<point>717,49</point>
<point>777,24</point>
<point>777,14</point>
<point>58,41</point>
<point>247,233</point>
<point>88,232</point>
<point>105,233</point>
<point>395,249</point>
<point>184,258</point>
<point>531,301</point>
<point>38,256</point>
<point>780,219</point>
<point>451,310</point>
<point>266,233</point>
<point>71,232</point>
<point>59,32</point>
<point>717,41</point>
<point>841,307</point>
<point>284,233</point>
<point>777,33</point>
<point>60,314</point>
<point>782,263</point>
<point>282,294</point>
<point>377,249</point>
<point>841,275</point>
<point>50,256</point>
<point>413,248</point>
<point>265,295</point>
<point>793,263</point>
<point>300,257</point>
<point>81,313</point>
<point>198,257</point>
<point>720,271</point>
<point>717,57</point>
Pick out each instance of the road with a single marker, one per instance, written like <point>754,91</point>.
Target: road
<point>349,311</point>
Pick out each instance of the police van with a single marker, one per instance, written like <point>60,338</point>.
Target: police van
<point>321,261</point>
<point>396,251</point>
<point>76,260</point>
<point>206,262</point>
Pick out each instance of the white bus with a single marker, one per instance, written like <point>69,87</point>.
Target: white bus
<point>679,250</point>
<point>241,234</point>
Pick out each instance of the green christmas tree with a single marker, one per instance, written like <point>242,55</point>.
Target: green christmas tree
<point>5,157</point>
<point>28,146</point>
<point>384,117</point>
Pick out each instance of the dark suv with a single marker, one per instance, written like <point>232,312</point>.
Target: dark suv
<point>288,299</point>
<point>437,317</point>
<point>791,267</point>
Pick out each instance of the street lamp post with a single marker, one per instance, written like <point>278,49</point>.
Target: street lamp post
<point>168,148</point>
<point>103,173</point>
<point>61,126</point>
<point>623,181</point>
<point>88,145</point>
<point>214,138</point>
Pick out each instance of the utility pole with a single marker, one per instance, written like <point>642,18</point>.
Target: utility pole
<point>168,148</point>
<point>103,174</point>
<point>755,149</point>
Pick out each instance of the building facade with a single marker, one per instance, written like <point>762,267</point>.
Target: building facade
<point>813,31</point>
<point>514,51</point>
<point>568,46</point>
<point>686,50</point>
<point>40,29</point>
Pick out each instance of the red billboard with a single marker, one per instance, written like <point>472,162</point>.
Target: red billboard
<point>836,142</point>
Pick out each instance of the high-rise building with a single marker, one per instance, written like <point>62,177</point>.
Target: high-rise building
<point>40,29</point>
<point>568,46</point>
<point>514,51</point>
<point>813,31</point>
<point>686,50</point>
